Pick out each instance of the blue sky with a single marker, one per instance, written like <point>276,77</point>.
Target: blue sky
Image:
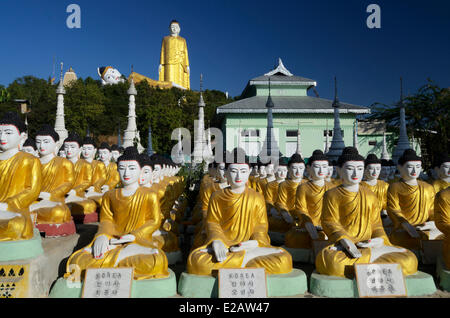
<point>232,41</point>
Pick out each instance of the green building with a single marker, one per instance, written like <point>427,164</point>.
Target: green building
<point>244,122</point>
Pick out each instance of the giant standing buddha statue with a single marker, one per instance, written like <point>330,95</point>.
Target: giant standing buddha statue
<point>174,62</point>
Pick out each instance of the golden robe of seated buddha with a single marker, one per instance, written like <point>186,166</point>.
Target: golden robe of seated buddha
<point>308,208</point>
<point>168,240</point>
<point>380,190</point>
<point>83,180</point>
<point>442,219</point>
<point>355,216</point>
<point>204,197</point>
<point>137,214</point>
<point>234,218</point>
<point>57,179</point>
<point>414,204</point>
<point>286,199</point>
<point>20,185</point>
<point>440,185</point>
<point>276,223</point>
<point>112,176</point>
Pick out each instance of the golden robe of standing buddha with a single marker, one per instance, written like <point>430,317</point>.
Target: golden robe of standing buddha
<point>233,218</point>
<point>174,61</point>
<point>442,219</point>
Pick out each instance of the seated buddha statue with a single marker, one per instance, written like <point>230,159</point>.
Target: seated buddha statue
<point>276,222</point>
<point>20,180</point>
<point>62,152</point>
<point>89,150</point>
<point>112,175</point>
<point>204,197</point>
<point>166,240</point>
<point>394,173</point>
<point>29,146</point>
<point>385,170</point>
<point>80,206</point>
<point>442,219</point>
<point>254,175</point>
<point>372,171</point>
<point>115,152</point>
<point>351,220</point>
<point>442,168</point>
<point>128,218</point>
<point>308,205</point>
<point>261,182</point>
<point>236,228</point>
<point>53,215</point>
<point>332,177</point>
<point>410,205</point>
<point>285,202</point>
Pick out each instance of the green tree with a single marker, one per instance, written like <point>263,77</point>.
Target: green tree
<point>427,116</point>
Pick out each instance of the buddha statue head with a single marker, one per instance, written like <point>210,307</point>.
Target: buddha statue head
<point>317,166</point>
<point>237,169</point>
<point>385,169</point>
<point>350,167</point>
<point>72,146</point>
<point>13,132</point>
<point>110,75</point>
<point>262,171</point>
<point>270,170</point>
<point>46,141</point>
<point>157,167</point>
<point>62,152</point>
<point>146,177</point>
<point>442,166</point>
<point>104,153</point>
<point>254,170</point>
<point>129,166</point>
<point>29,146</point>
<point>282,169</point>
<point>296,167</point>
<point>211,170</point>
<point>88,148</point>
<point>115,153</point>
<point>393,168</point>
<point>174,28</point>
<point>372,168</point>
<point>220,172</point>
<point>409,165</point>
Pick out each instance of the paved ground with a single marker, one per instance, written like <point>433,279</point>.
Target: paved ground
<point>87,231</point>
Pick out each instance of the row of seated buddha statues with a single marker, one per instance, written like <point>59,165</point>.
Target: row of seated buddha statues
<point>350,214</point>
<point>139,219</point>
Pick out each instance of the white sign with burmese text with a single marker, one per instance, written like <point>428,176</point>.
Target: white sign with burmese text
<point>242,283</point>
<point>108,283</point>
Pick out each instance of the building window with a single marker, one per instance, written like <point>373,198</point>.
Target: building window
<point>291,133</point>
<point>250,133</point>
<point>330,133</point>
<point>372,143</point>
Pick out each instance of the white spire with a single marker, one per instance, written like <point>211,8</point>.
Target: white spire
<point>384,152</point>
<point>131,133</point>
<point>337,143</point>
<point>279,69</point>
<point>299,145</point>
<point>60,126</point>
<point>355,134</point>
<point>403,140</point>
<point>199,128</point>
